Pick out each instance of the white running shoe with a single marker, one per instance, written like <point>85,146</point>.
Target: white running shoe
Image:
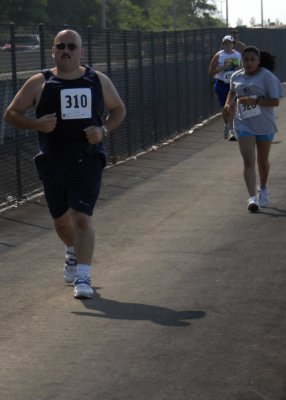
<point>82,288</point>
<point>252,204</point>
<point>70,270</point>
<point>231,136</point>
<point>262,197</point>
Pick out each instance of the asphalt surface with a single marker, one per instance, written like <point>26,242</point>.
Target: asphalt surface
<point>190,287</point>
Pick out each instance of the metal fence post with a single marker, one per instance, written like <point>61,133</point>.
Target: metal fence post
<point>13,58</point>
<point>89,46</point>
<point>176,79</point>
<point>108,53</point>
<point>42,46</point>
<point>126,81</point>
<point>154,92</point>
<point>187,79</point>
<point>165,62</point>
<point>16,132</point>
<point>108,68</point>
<point>141,90</point>
<point>195,68</point>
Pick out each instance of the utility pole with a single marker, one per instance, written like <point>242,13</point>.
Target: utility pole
<point>103,14</point>
<point>261,13</point>
<point>221,13</point>
<point>226,12</point>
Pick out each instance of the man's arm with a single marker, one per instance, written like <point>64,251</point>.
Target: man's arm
<point>113,105</point>
<point>25,99</point>
<point>112,102</point>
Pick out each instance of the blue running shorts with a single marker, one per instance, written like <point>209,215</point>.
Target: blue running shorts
<point>221,89</point>
<point>260,138</point>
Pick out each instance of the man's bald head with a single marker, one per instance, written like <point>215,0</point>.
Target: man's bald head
<point>69,34</point>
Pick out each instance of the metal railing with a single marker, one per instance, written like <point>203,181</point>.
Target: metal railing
<point>162,78</point>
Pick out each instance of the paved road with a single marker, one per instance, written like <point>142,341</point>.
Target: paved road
<point>190,288</point>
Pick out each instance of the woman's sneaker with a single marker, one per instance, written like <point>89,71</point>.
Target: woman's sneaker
<point>262,197</point>
<point>231,136</point>
<point>253,205</point>
<point>82,288</point>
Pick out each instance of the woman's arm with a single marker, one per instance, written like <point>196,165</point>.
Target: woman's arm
<point>214,68</point>
<point>261,101</point>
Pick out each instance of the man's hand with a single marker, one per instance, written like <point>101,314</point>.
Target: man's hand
<point>93,134</point>
<point>46,123</point>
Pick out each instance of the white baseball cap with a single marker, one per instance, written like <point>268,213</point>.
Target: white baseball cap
<point>228,38</point>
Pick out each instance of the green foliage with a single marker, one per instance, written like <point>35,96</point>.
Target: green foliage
<point>126,15</point>
<point>73,12</point>
<point>156,15</point>
<point>23,13</point>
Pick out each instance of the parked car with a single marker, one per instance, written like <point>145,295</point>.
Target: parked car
<point>24,42</point>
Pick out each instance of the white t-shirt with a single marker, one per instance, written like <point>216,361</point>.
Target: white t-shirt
<point>230,62</point>
<point>256,119</point>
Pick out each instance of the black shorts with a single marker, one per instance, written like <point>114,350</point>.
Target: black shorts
<point>73,185</point>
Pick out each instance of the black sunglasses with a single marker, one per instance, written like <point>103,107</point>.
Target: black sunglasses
<point>62,46</point>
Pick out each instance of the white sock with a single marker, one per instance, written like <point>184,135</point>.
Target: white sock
<point>83,270</point>
<point>70,253</point>
<point>70,250</point>
<point>70,256</point>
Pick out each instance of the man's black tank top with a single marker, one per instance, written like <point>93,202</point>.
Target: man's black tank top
<point>78,104</point>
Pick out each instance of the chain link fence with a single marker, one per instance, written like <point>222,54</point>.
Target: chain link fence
<point>162,78</point>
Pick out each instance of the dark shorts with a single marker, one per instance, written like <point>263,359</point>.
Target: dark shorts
<point>221,89</point>
<point>74,185</point>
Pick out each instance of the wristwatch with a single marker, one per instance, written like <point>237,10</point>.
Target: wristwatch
<point>104,131</point>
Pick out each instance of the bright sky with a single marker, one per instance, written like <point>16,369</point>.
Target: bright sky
<point>245,9</point>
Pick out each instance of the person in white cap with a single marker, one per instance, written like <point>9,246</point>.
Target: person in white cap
<point>222,66</point>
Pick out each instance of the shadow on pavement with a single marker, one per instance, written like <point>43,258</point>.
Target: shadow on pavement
<point>112,309</point>
<point>273,212</point>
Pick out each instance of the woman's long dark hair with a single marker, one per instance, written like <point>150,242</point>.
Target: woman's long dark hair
<point>267,60</point>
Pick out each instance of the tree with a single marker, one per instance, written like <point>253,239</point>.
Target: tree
<point>18,11</point>
<point>142,15</point>
<point>69,12</point>
<point>124,14</point>
<point>189,13</point>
